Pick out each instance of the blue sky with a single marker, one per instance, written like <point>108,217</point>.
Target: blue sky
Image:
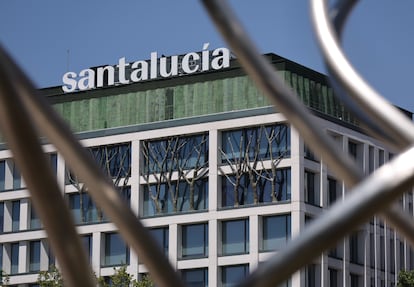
<point>49,37</point>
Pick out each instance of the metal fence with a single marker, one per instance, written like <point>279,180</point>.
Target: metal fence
<point>368,196</point>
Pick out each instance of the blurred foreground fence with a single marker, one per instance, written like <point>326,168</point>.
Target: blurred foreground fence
<point>368,196</point>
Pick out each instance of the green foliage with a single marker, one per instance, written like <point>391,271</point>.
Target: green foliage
<point>50,278</point>
<point>121,278</point>
<point>4,278</point>
<point>406,279</point>
<point>144,282</point>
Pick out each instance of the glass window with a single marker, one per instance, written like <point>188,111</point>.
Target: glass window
<point>16,215</point>
<point>116,251</point>
<point>84,209</point>
<point>333,190</point>
<point>87,245</point>
<point>1,260</point>
<point>312,277</point>
<point>17,178</point>
<point>260,186</point>
<point>194,240</point>
<point>160,235</point>
<point>172,197</point>
<point>195,277</point>
<point>1,217</point>
<point>311,188</point>
<point>333,277</point>
<point>34,256</point>
<point>355,249</point>
<point>173,153</point>
<point>352,149</point>
<point>115,160</point>
<point>356,280</point>
<point>34,219</point>
<point>259,143</point>
<point>231,275</point>
<point>53,162</point>
<point>235,237</point>
<point>14,258</point>
<point>276,232</point>
<point>2,175</point>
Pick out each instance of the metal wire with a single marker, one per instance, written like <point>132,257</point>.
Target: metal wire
<point>277,270</point>
<point>370,196</point>
<point>99,186</point>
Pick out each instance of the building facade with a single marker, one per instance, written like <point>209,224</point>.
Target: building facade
<point>218,176</point>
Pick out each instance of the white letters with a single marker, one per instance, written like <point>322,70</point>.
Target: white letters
<point>121,69</point>
<point>88,80</point>
<point>100,75</point>
<point>173,67</point>
<point>155,67</point>
<point>185,64</point>
<point>222,61</point>
<point>69,82</point>
<point>141,68</point>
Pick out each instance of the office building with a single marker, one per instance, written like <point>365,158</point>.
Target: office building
<point>217,174</point>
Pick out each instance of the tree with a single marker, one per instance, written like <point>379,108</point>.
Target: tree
<point>115,162</point>
<point>50,278</point>
<point>405,278</point>
<point>121,278</point>
<point>4,278</point>
<point>252,155</point>
<point>173,167</point>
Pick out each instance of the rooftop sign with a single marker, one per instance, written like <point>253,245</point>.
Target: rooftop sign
<point>163,67</point>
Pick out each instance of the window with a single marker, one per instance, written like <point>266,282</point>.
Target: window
<point>381,157</point>
<point>173,153</point>
<point>17,178</point>
<point>356,280</point>
<point>259,143</point>
<point>353,149</point>
<point>311,188</point>
<point>34,256</point>
<point>262,186</point>
<point>333,191</point>
<point>308,153</point>
<point>34,219</point>
<point>392,255</point>
<point>160,235</point>
<point>15,215</point>
<point>312,276</point>
<point>115,160</point>
<point>158,197</point>
<point>235,237</point>
<point>116,251</point>
<point>14,258</point>
<point>87,245</point>
<point>2,175</point>
<point>195,277</point>
<point>355,249</point>
<point>276,232</point>
<point>84,209</point>
<point>333,278</point>
<point>194,240</point>
<point>1,218</point>
<point>53,162</point>
<point>231,275</point>
<point>1,260</point>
